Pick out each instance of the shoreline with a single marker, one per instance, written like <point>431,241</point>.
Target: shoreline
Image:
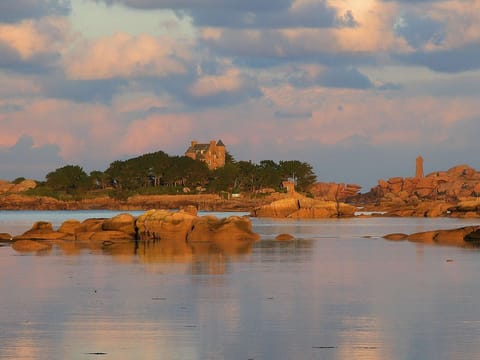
<point>212,202</point>
<point>205,202</point>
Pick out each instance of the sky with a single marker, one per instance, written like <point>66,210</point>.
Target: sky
<point>356,88</point>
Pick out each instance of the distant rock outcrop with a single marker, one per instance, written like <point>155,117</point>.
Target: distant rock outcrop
<point>443,193</point>
<point>8,187</point>
<point>333,191</point>
<point>451,185</point>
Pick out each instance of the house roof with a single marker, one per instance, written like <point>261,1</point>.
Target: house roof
<point>198,147</point>
<point>203,147</point>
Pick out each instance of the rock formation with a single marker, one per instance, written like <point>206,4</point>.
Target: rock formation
<point>4,237</point>
<point>333,191</point>
<point>208,202</point>
<point>8,187</point>
<point>468,236</point>
<point>304,208</point>
<point>175,228</point>
<point>284,237</point>
<point>454,184</point>
<point>441,193</point>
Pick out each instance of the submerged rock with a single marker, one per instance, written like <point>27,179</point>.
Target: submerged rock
<point>396,236</point>
<point>40,230</point>
<point>468,236</point>
<point>30,246</point>
<point>4,237</point>
<point>232,229</point>
<point>284,237</point>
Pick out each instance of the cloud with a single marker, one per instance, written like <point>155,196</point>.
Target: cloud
<point>125,56</point>
<point>416,1</point>
<point>292,114</point>
<point>155,132</point>
<point>15,10</point>
<point>420,30</point>
<point>23,159</point>
<point>215,84</point>
<point>10,108</point>
<point>239,5</point>
<point>309,15</point>
<point>32,45</point>
<point>272,47</point>
<point>231,86</point>
<point>333,77</point>
<point>251,14</point>
<point>82,91</point>
<point>455,60</point>
<point>39,63</point>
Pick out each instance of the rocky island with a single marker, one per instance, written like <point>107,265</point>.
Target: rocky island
<point>178,229</point>
<point>451,193</point>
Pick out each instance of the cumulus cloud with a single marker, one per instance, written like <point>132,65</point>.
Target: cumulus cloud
<point>32,45</point>
<point>271,47</point>
<point>155,132</point>
<point>251,13</point>
<point>309,15</point>
<point>419,30</point>
<point>125,56</point>
<point>232,83</point>
<point>455,60</point>
<point>16,10</point>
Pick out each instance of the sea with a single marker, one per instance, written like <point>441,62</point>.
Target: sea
<point>338,291</point>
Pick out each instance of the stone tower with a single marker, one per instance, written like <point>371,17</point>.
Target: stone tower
<point>419,168</point>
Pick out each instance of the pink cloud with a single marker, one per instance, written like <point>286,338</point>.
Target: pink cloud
<point>155,132</point>
<point>32,37</point>
<point>341,114</point>
<point>73,127</point>
<point>231,81</point>
<point>124,55</point>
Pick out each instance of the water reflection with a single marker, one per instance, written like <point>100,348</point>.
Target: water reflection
<point>200,258</point>
<point>329,294</point>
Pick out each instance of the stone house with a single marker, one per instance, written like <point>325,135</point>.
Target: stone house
<point>213,153</point>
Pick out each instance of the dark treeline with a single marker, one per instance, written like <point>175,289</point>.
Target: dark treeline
<point>160,173</point>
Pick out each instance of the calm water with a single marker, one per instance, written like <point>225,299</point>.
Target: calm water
<point>338,292</point>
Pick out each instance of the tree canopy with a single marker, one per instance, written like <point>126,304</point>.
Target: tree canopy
<point>161,173</point>
<point>70,179</point>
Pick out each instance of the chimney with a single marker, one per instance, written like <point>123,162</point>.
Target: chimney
<point>194,142</point>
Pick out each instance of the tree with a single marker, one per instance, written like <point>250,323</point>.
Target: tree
<point>248,177</point>
<point>98,179</point>
<point>138,172</point>
<point>225,178</point>
<point>301,172</point>
<point>186,171</point>
<point>71,179</point>
<point>269,175</point>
